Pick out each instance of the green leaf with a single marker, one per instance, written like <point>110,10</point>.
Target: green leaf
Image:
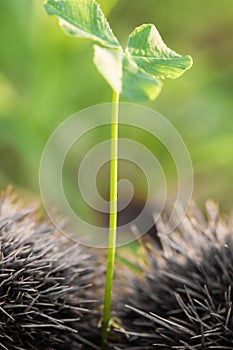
<point>153,56</point>
<point>83,19</point>
<point>137,84</point>
<point>109,64</point>
<point>124,76</point>
<point>138,72</point>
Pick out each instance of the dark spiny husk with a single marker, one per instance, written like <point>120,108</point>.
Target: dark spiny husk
<point>184,300</point>
<point>45,292</point>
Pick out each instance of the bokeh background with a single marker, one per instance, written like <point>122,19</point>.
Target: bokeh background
<point>46,76</point>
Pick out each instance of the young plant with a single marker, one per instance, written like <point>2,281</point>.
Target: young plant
<point>136,73</point>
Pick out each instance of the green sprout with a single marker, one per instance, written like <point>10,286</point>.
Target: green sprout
<point>136,73</point>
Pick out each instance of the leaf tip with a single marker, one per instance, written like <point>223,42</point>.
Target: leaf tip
<point>190,61</point>
<point>187,63</point>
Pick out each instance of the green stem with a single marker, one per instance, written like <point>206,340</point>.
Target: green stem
<point>112,219</point>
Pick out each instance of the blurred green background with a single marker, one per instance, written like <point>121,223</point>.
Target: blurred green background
<point>46,76</point>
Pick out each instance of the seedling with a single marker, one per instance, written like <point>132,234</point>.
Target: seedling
<point>136,73</point>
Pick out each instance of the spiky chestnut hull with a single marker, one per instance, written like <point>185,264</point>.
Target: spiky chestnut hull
<point>45,293</point>
<point>185,299</point>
